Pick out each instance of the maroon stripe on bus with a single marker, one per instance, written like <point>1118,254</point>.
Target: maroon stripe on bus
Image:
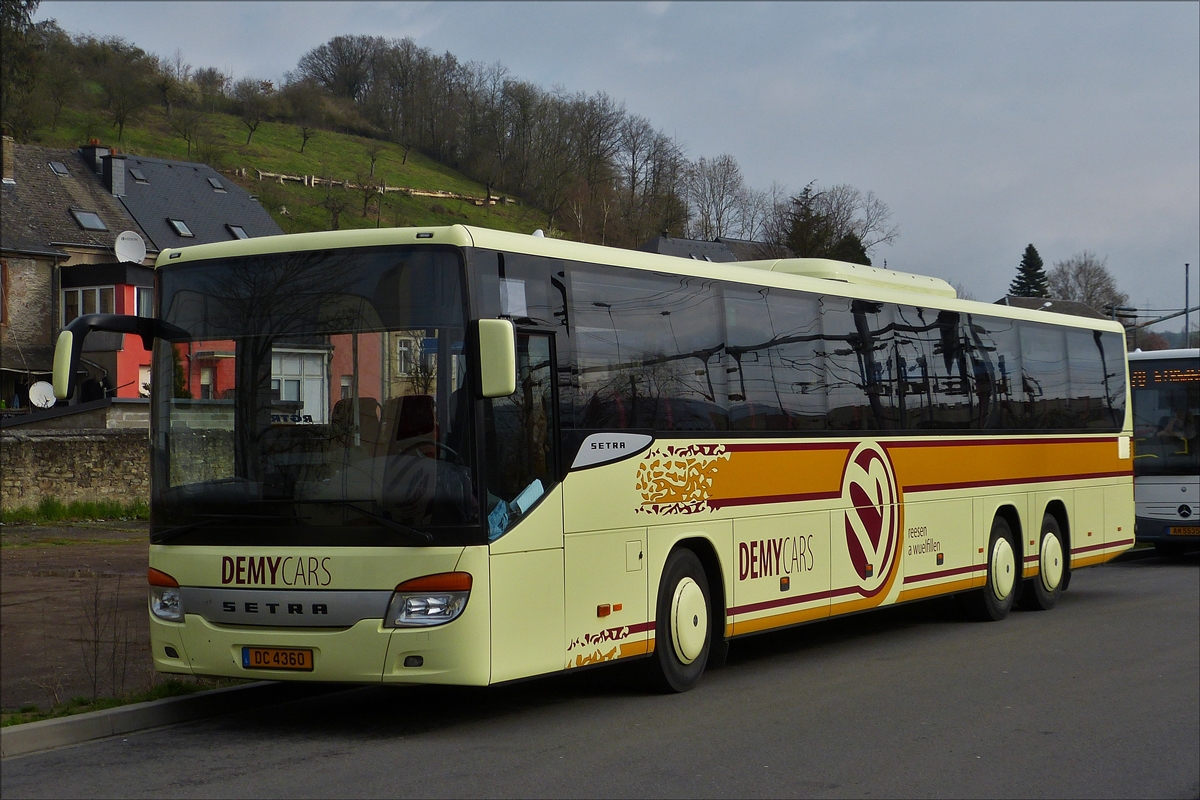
<point>776,446</point>
<point>1090,547</point>
<point>775,498</point>
<point>928,576</point>
<point>936,487</point>
<point>990,442</point>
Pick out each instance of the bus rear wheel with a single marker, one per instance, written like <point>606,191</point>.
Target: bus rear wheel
<point>1051,568</point>
<point>995,599</point>
<point>682,633</point>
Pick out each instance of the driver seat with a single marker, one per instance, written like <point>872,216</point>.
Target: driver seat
<point>410,426</point>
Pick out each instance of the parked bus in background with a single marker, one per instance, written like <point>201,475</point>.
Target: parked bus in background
<point>455,455</point>
<point>1166,463</point>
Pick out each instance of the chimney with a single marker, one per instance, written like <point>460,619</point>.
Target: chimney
<point>114,174</point>
<point>92,152</point>
<point>10,175</point>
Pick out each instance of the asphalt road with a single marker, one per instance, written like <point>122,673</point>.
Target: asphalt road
<point>1098,698</point>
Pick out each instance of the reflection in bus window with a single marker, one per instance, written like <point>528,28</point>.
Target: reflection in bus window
<point>519,438</point>
<point>648,351</point>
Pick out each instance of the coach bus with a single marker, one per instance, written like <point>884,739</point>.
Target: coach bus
<point>1166,463</point>
<point>457,455</point>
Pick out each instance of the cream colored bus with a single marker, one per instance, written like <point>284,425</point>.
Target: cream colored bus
<point>454,455</point>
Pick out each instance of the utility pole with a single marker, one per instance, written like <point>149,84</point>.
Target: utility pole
<point>1187,339</point>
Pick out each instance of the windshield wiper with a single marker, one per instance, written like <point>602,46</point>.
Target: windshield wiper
<point>386,522</point>
<point>209,519</point>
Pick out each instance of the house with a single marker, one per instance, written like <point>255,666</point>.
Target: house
<point>64,212</point>
<point>720,249</point>
<point>1049,304</point>
<point>698,249</point>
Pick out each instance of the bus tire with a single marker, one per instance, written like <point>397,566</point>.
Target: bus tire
<point>1051,568</point>
<point>995,599</point>
<point>683,629</point>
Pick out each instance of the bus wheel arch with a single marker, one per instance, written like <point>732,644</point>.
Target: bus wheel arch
<point>1002,580</point>
<point>684,631</point>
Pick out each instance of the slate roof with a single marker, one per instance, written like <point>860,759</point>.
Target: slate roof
<point>36,214</point>
<point>750,250</point>
<point>689,248</point>
<point>1059,306</point>
<point>181,190</point>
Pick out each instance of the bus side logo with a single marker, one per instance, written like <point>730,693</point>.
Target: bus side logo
<point>872,516</point>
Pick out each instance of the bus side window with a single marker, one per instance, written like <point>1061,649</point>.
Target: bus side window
<point>519,435</point>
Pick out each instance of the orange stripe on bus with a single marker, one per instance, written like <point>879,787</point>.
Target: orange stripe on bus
<point>761,475</point>
<point>940,588</point>
<point>921,467</point>
<point>779,620</point>
<point>752,474</point>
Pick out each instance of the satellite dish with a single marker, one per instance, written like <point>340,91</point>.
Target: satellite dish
<point>130,247</point>
<point>41,394</point>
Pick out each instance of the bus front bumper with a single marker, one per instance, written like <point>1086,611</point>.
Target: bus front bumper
<point>454,653</point>
<point>1151,530</point>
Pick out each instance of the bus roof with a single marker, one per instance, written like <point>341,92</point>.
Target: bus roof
<point>817,275</point>
<point>1192,353</point>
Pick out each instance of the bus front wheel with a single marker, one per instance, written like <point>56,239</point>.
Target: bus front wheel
<point>995,599</point>
<point>682,633</point>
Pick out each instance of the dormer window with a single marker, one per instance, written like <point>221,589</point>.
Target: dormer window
<point>59,168</point>
<point>88,220</point>
<point>216,184</point>
<point>238,231</point>
<point>138,176</point>
<point>181,227</point>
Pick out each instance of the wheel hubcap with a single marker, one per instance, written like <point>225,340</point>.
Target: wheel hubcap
<point>1051,565</point>
<point>689,620</point>
<point>1004,568</point>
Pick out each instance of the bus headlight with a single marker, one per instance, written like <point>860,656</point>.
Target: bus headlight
<point>165,600</point>
<point>430,600</point>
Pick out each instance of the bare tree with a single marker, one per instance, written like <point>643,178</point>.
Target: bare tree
<point>172,78</point>
<point>1086,279</point>
<point>345,65</point>
<point>962,291</point>
<point>372,148</point>
<point>124,77</point>
<point>213,86</point>
<point>716,190</point>
<point>187,123</point>
<point>253,98</point>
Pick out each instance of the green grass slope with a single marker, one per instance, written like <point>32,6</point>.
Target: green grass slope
<point>275,147</point>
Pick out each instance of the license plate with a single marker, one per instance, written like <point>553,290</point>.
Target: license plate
<point>277,658</point>
<point>1190,530</point>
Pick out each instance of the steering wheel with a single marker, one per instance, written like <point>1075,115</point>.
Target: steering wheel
<point>437,447</point>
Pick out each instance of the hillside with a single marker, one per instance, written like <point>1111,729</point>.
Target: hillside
<point>275,148</point>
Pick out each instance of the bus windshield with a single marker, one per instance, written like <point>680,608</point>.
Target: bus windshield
<point>1166,413</point>
<point>321,399</point>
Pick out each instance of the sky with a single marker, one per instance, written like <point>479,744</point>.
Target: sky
<point>984,127</point>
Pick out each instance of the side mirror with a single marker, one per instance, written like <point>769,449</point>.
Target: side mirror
<point>70,342</point>
<point>497,358</point>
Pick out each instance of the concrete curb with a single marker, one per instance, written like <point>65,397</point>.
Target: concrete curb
<point>33,737</point>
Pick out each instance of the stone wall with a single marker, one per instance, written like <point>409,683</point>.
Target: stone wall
<point>94,465</point>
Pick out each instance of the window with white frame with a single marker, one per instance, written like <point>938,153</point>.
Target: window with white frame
<point>87,300</point>
<point>299,380</point>
<point>145,301</point>
<point>180,227</point>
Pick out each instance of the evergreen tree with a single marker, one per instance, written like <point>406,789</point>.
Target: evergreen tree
<point>1031,278</point>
